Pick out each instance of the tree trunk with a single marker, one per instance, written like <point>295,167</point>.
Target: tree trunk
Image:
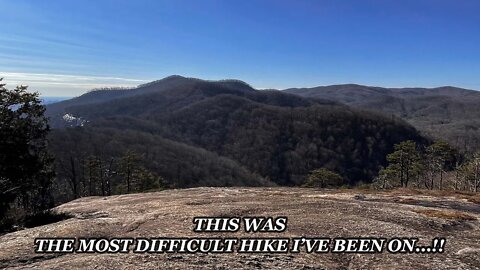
<point>128,178</point>
<point>109,178</point>
<point>90,191</point>
<point>477,180</point>
<point>402,168</point>
<point>441,179</point>
<point>407,176</point>
<point>432,177</point>
<point>102,180</point>
<point>74,177</point>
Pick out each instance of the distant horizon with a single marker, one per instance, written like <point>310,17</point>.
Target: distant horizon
<point>281,89</point>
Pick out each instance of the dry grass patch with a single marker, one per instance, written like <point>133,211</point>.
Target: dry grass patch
<point>397,192</point>
<point>470,196</point>
<point>446,214</point>
<point>474,199</point>
<point>405,191</point>
<point>405,200</point>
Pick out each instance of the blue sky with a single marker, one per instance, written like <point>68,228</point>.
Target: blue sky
<point>64,48</point>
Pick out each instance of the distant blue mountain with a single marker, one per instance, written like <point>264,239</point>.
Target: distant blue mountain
<point>49,100</point>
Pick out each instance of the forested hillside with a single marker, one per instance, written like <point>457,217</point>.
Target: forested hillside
<point>444,113</point>
<point>164,96</point>
<point>93,161</point>
<point>191,132</point>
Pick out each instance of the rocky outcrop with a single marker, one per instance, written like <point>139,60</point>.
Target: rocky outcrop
<point>310,212</point>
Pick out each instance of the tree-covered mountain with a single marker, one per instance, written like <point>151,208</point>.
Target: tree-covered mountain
<point>179,165</point>
<point>163,96</point>
<point>445,113</point>
<point>227,131</point>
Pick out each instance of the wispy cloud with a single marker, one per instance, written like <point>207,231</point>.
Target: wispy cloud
<point>70,85</point>
<point>43,40</point>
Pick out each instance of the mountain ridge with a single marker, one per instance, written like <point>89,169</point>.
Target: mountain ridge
<point>275,134</point>
<point>443,113</point>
